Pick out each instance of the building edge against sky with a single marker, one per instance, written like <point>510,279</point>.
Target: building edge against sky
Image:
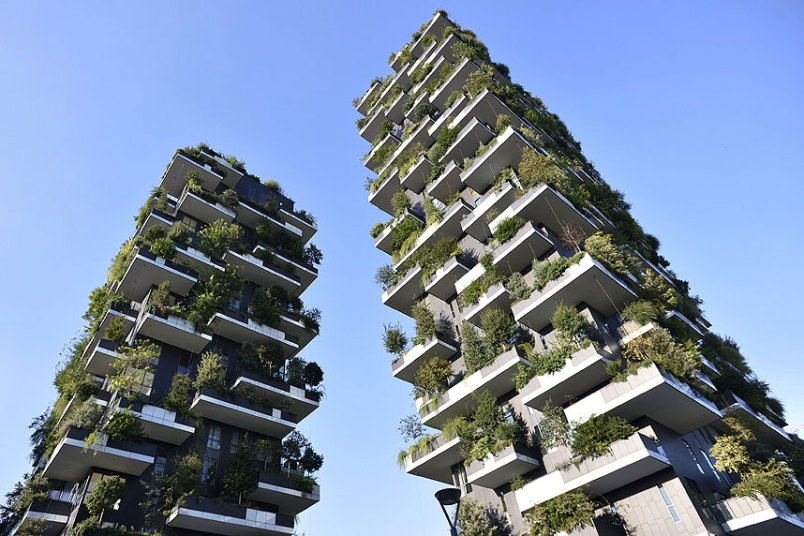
<point>563,366</point>
<point>178,406</point>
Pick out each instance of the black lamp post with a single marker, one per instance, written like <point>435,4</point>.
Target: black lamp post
<point>450,497</point>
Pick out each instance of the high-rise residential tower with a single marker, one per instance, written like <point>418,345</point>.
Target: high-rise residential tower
<point>178,406</point>
<point>567,376</point>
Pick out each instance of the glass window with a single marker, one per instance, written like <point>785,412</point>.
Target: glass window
<point>234,444</point>
<point>208,470</point>
<point>669,504</point>
<point>214,437</point>
<point>160,464</point>
<point>694,457</point>
<point>705,456</point>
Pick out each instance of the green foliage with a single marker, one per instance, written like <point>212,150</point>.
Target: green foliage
<point>179,233</point>
<point>242,474</point>
<point>445,138</point>
<point>213,295</point>
<point>548,362</point>
<point>537,168</point>
<point>116,332</point>
<point>105,494</point>
<point>503,122</point>
<point>593,437</point>
<point>499,329</point>
<point>426,325</point>
<point>178,398</point>
<point>273,185</point>
<point>420,72</point>
<point>400,202</point>
<point>553,427</point>
<point>377,230</point>
<point>124,425</point>
<point>218,237</point>
<point>182,479</point>
<point>472,293</point>
<point>430,259</point>
<point>159,301</point>
<point>297,450</point>
<point>394,339</point>
<point>121,261</point>
<point>517,287</point>
<point>641,311</point>
<point>157,200</point>
<point>547,270</point>
<point>507,228</point>
<point>570,323</point>
<point>472,520</point>
<point>265,308</point>
<point>405,232</point>
<point>565,513</point>
<point>657,346</point>
<point>602,247</point>
<point>163,247</point>
<point>210,372</point>
<point>479,80</point>
<point>658,291</point>
<point>432,213</point>
<point>435,82</point>
<point>487,431</point>
<point>87,414</point>
<point>432,378</point>
<point>100,299</point>
<point>131,366</point>
<point>266,359</point>
<point>473,349</point>
<point>32,526</point>
<point>516,482</point>
<point>453,97</point>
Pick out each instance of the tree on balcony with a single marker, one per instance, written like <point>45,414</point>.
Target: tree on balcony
<point>241,474</point>
<point>565,513</point>
<point>106,493</point>
<point>168,489</point>
<point>394,339</point>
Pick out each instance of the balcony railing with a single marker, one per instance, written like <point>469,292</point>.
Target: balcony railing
<point>406,367</point>
<point>276,392</point>
<point>499,468</point>
<point>747,516</point>
<point>207,515</point>
<point>436,462</point>
<point>766,430</point>
<point>240,412</point>
<point>286,492</point>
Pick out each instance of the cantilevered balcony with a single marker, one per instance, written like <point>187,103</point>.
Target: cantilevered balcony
<point>448,226</point>
<point>414,179</point>
<point>374,89</point>
<point>372,160</point>
<point>445,185</point>
<point>437,462</point>
<point>384,240</point>
<point>277,393</point>
<point>469,139</point>
<point>147,270</point>
<point>485,107</point>
<point>402,295</point>
<point>156,218</point>
<point>505,153</point>
<point>201,207</point>
<point>160,424</point>
<point>476,224</point>
<point>115,311</point>
<point>307,226</point>
<point>406,367</point>
<point>454,82</point>
<point>627,461</point>
<point>306,273</point>
<point>583,371</point>
<point>435,70</point>
<point>757,516</point>
<point>420,135</point>
<point>765,429</point>
<point>231,174</point>
<point>585,281</point>
<point>423,97</point>
<point>434,28</point>
<point>172,330</point>
<point>198,260</point>
<point>71,459</point>
<point>496,296</point>
<point>262,273</point>
<point>447,116</point>
<point>371,129</point>
<point>210,516</point>
<point>394,109</point>
<point>239,327</point>
<point>102,357</point>
<point>285,492</point>
<point>497,378</point>
<point>495,470</point>
<point>251,215</point>
<point>543,205</point>
<point>294,326</point>
<point>241,413</point>
<point>442,283</point>
<point>652,393</point>
<point>175,178</point>
<point>382,193</point>
<point>53,513</point>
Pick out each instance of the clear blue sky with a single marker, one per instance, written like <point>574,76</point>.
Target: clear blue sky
<point>693,109</point>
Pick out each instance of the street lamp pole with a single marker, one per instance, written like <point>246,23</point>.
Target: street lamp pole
<point>450,497</point>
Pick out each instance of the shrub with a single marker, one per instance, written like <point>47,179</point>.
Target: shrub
<point>163,247</point>
<point>488,430</point>
<point>242,473</point>
<point>571,324</point>
<point>159,301</point>
<point>553,427</point>
<point>445,138</point>
<point>157,200</point>
<point>517,287</point>
<point>105,495</point>
<point>124,425</point>
<point>516,482</point>
<point>453,97</point>
<point>265,308</point>
<point>657,290</point>
<point>602,247</point>
<point>537,168</point>
<point>218,237</point>
<point>267,359</point>
<point>547,270</point>
<point>385,276</point>
<point>402,232</point>
<point>503,122</point>
<point>179,233</point>
<point>116,332</point>
<point>394,339</point>
<point>473,349</point>
<point>87,414</point>
<point>641,311</point>
<point>213,295</point>
<point>228,198</point>
<point>499,329</point>
<point>565,513</point>
<point>430,259</point>
<point>593,437</point>
<point>657,346</point>
<point>432,213</point>
<point>472,293</point>
<point>432,378</point>
<point>377,230</point>
<point>121,261</point>
<point>178,398</point>
<point>210,372</point>
<point>479,80</point>
<point>426,325</point>
<point>273,185</point>
<point>507,228</point>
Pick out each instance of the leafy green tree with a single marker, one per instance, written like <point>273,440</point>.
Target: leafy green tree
<point>242,474</point>
<point>567,512</point>
<point>105,495</point>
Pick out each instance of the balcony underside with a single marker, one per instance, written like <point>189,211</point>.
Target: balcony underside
<point>101,359</point>
<point>587,281</point>
<point>454,82</point>
<point>204,210</point>
<point>249,330</point>
<point>497,470</point>
<point>543,205</point>
<point>442,283</point>
<point>144,273</point>
<point>760,517</point>
<point>189,518</point>
<point>585,370</point>
<point>268,421</point>
<point>161,425</point>
<point>293,398</point>
<point>381,197</point>
<point>650,393</point>
<point>469,140</point>
<point>437,464</point>
<point>174,331</point>
<point>407,291</point>
<point>506,153</point>
<point>176,175</point>
<point>261,274</point>
<point>445,185</point>
<point>415,179</point>
<point>281,491</point>
<point>69,461</point>
<point>527,244</point>
<point>476,224</point>
<point>406,367</point>
<point>485,107</point>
